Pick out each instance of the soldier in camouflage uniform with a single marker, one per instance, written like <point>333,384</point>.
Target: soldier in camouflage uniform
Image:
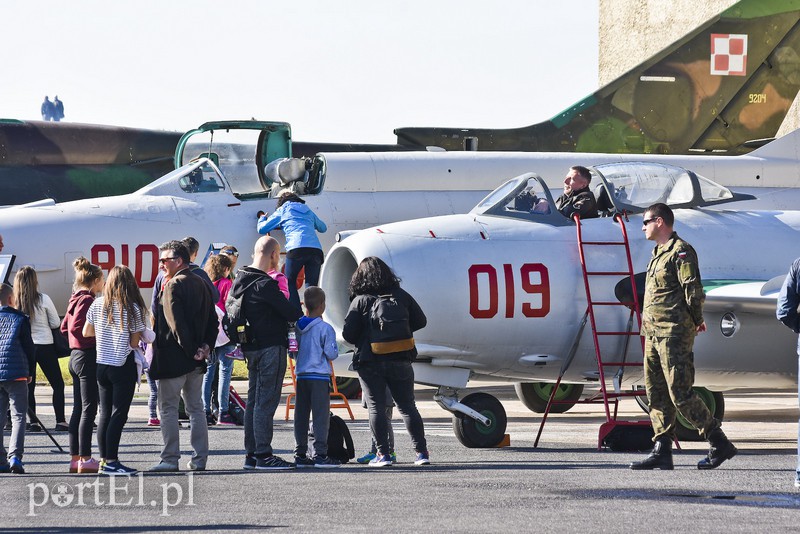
<point>673,316</point>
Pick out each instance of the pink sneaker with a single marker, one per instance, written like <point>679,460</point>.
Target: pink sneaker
<point>154,422</point>
<point>73,465</point>
<point>235,354</point>
<point>88,466</point>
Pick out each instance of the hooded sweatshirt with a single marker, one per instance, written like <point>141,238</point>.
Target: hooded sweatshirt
<point>317,347</point>
<point>265,308</point>
<point>298,223</point>
<point>72,325</point>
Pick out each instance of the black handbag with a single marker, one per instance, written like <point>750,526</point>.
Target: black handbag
<point>60,343</point>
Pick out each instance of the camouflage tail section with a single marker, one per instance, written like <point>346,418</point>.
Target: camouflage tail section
<point>730,81</point>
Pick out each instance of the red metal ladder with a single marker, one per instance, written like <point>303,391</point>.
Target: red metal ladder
<point>610,399</point>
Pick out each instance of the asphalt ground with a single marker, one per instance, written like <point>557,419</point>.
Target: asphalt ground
<point>565,485</point>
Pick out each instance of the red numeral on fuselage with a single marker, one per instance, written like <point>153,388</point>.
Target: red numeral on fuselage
<point>535,280</point>
<point>144,256</point>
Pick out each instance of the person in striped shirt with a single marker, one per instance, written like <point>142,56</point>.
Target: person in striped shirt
<point>116,320</point>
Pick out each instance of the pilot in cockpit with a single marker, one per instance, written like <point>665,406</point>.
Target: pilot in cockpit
<point>577,197</point>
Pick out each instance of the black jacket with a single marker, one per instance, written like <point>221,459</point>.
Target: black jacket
<point>357,326</point>
<point>185,319</point>
<point>265,307</point>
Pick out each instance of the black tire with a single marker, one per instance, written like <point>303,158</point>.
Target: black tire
<point>715,402</point>
<point>476,435</point>
<point>348,386</point>
<point>534,395</point>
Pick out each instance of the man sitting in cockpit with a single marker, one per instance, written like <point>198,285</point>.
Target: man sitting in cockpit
<point>577,198</point>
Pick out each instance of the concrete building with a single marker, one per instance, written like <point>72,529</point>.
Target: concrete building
<point>633,30</point>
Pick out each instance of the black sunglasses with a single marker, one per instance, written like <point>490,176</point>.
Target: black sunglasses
<point>648,221</point>
<point>165,260</point>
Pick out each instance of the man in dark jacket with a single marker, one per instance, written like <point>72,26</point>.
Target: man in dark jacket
<point>268,313</point>
<point>17,367</point>
<point>577,197</point>
<point>186,330</point>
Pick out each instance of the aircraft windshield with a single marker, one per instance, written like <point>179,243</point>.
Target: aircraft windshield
<point>202,179</point>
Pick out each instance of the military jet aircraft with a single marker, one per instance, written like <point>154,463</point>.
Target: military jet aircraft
<point>503,288</point>
<point>680,101</point>
<point>216,192</point>
<point>725,84</point>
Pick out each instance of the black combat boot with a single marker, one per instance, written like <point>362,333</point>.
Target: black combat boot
<point>721,449</point>
<point>659,458</point>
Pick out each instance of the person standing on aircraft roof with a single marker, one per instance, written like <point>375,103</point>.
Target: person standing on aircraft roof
<point>577,198</point>
<point>218,268</point>
<point>186,329</point>
<point>672,318</point>
<point>48,109</point>
<point>380,363</point>
<point>267,313</point>
<point>82,365</point>
<point>58,109</point>
<point>44,317</point>
<point>787,313</point>
<point>117,320</point>
<point>303,249</point>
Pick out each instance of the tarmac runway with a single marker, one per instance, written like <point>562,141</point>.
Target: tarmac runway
<point>565,485</point>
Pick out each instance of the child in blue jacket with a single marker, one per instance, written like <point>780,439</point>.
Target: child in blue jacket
<point>17,367</point>
<point>317,348</point>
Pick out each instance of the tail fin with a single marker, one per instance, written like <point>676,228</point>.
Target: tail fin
<point>730,81</point>
<point>786,147</point>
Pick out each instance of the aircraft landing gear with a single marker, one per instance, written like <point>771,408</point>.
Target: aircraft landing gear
<point>479,420</point>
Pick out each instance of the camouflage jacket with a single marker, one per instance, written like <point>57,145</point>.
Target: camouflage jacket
<point>673,294</point>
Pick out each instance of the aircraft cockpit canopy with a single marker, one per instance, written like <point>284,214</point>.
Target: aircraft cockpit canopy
<point>619,187</point>
<point>634,186</point>
<point>254,156</point>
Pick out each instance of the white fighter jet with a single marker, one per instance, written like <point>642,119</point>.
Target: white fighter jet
<point>220,185</point>
<point>503,288</point>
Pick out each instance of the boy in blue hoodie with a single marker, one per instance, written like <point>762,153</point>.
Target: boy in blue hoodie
<point>17,366</point>
<point>317,347</point>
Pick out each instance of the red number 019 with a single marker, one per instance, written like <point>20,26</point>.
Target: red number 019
<point>483,277</point>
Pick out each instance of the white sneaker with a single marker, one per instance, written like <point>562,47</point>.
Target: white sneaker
<point>381,460</point>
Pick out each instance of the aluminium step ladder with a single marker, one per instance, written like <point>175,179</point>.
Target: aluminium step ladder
<point>609,397</point>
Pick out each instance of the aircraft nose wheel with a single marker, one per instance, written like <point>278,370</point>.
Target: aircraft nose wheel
<point>474,434</point>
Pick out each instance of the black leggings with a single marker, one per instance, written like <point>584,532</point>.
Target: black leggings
<point>47,359</point>
<point>116,386</point>
<point>83,368</point>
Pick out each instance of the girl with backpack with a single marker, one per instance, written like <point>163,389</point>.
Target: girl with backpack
<point>380,322</point>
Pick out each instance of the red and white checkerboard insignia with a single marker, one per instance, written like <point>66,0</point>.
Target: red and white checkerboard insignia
<point>728,54</point>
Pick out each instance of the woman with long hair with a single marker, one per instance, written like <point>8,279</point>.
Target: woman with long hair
<point>218,267</point>
<point>44,317</point>
<point>82,365</point>
<point>116,320</point>
<point>303,249</point>
<point>385,363</point>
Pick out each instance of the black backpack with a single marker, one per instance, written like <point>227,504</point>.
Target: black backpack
<point>234,323</point>
<point>340,442</point>
<point>390,330</point>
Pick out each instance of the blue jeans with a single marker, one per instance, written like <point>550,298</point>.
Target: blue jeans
<point>226,371</point>
<point>312,263</point>
<point>398,376</point>
<point>266,369</point>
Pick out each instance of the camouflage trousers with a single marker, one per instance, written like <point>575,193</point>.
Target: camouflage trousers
<point>669,377</point>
